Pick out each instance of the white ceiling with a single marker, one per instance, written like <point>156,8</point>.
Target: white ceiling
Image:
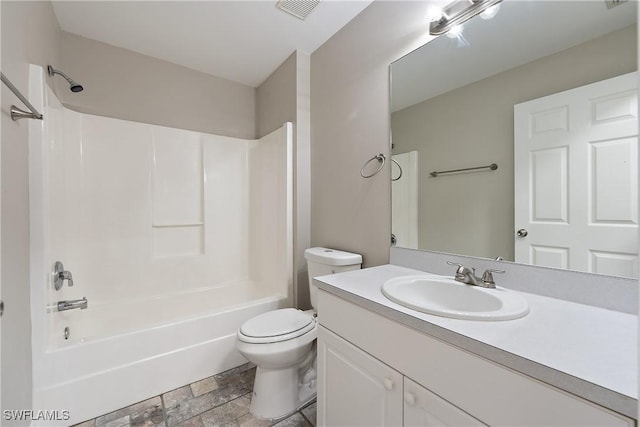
<point>239,40</point>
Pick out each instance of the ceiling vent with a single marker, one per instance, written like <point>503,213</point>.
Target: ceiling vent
<point>298,8</point>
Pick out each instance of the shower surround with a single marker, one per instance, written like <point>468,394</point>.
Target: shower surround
<point>174,237</point>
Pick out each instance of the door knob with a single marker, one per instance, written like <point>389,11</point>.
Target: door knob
<point>388,384</point>
<point>522,233</point>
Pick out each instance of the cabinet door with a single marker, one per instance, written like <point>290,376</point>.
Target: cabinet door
<point>425,409</point>
<point>355,389</point>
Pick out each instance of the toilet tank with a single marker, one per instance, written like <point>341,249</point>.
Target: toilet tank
<point>323,261</point>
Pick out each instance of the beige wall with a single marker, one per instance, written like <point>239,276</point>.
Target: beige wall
<point>30,34</point>
<point>276,98</point>
<point>350,124</point>
<point>473,126</point>
<point>126,85</point>
<point>282,97</point>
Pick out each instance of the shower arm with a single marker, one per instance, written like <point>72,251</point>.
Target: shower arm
<point>73,85</point>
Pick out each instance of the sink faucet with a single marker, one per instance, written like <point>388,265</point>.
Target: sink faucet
<point>464,274</point>
<point>468,276</point>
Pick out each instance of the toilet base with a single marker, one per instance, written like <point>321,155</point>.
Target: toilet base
<point>280,392</point>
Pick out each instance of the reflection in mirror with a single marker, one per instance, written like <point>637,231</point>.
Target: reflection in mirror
<point>554,106</point>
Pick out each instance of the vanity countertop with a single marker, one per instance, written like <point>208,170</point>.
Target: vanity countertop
<point>587,351</point>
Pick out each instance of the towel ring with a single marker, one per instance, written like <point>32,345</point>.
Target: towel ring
<point>379,157</point>
<point>399,167</point>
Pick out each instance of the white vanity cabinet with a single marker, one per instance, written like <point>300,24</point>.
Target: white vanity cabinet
<point>373,371</point>
<point>356,389</point>
<point>423,408</point>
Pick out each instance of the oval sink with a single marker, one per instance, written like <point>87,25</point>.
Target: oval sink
<point>446,297</point>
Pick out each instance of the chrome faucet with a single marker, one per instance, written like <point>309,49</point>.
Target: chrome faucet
<point>71,304</point>
<point>468,276</point>
<point>464,274</point>
<point>487,278</point>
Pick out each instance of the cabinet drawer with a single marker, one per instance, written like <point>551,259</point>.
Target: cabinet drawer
<point>496,395</point>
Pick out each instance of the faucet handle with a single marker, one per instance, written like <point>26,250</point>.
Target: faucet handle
<point>460,268</point>
<point>487,277</point>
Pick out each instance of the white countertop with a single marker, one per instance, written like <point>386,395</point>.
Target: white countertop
<point>588,351</point>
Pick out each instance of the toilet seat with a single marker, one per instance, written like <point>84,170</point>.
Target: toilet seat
<point>276,326</point>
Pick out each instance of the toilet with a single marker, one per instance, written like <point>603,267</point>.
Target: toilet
<point>281,343</point>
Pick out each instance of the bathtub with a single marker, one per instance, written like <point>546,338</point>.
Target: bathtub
<point>170,273</point>
<point>107,364</point>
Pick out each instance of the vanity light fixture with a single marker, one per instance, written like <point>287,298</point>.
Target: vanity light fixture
<point>458,12</point>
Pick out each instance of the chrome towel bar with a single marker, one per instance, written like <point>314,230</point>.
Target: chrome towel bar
<point>492,166</point>
<point>18,113</point>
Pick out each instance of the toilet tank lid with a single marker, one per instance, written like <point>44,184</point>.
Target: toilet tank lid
<point>332,256</point>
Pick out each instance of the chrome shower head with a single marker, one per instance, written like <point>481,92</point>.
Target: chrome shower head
<point>73,86</point>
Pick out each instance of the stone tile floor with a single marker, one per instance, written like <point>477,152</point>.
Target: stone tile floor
<point>221,400</point>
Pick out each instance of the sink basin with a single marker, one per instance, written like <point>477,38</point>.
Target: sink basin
<point>445,297</point>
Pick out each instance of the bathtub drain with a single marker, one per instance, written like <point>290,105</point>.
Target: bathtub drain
<point>67,332</point>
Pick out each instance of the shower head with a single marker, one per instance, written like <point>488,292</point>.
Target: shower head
<point>73,86</point>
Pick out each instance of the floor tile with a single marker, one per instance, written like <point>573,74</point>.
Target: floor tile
<point>192,422</point>
<point>310,413</point>
<point>148,411</point>
<point>229,392</point>
<point>195,406</point>
<point>233,375</point>
<point>228,413</point>
<point>90,423</point>
<point>120,422</point>
<point>248,377</point>
<point>250,421</point>
<point>295,420</point>
<point>222,400</point>
<point>174,397</point>
<point>204,386</point>
<point>148,423</point>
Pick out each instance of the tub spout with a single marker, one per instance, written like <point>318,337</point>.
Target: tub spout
<point>71,304</point>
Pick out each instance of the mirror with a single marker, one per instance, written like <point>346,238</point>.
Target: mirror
<point>511,91</point>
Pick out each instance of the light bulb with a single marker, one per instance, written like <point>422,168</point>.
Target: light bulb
<point>490,12</point>
<point>455,32</point>
<point>434,13</point>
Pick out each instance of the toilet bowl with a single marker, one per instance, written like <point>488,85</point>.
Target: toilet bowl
<point>281,343</point>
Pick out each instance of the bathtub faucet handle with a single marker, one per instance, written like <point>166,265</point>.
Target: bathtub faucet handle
<point>60,275</point>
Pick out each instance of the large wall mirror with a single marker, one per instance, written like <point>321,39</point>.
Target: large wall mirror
<point>546,92</point>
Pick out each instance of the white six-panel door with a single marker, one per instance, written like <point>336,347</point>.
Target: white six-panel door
<point>576,178</point>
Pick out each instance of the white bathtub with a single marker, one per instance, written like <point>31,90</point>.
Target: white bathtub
<point>105,365</point>
<point>106,320</point>
<point>169,279</point>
